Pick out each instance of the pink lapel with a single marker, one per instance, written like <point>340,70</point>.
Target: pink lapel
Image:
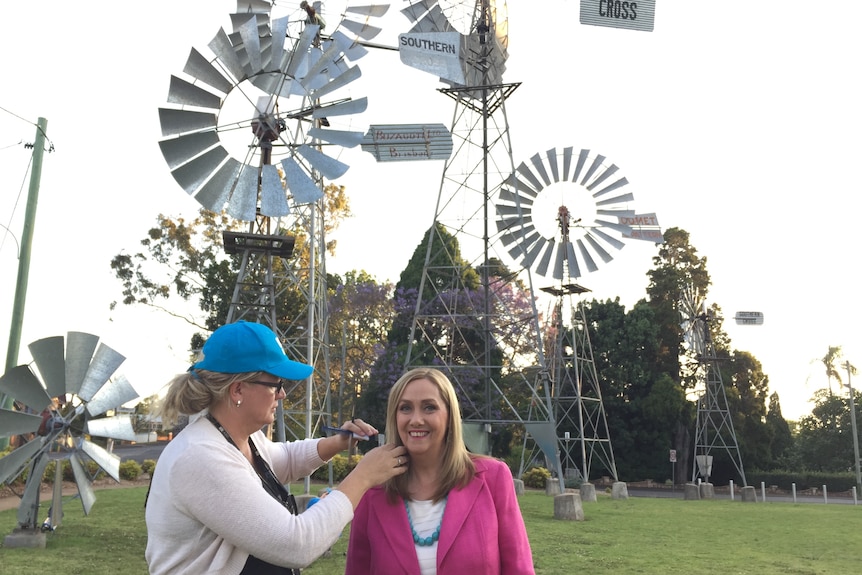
<point>458,508</point>
<point>391,521</point>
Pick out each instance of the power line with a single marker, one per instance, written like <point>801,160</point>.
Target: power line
<point>14,115</point>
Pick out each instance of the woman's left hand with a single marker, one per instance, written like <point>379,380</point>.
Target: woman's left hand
<point>358,427</point>
<point>359,431</point>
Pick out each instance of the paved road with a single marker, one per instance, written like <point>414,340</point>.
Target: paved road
<point>140,451</point>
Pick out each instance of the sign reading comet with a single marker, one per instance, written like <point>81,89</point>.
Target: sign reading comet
<point>404,142</point>
<point>644,227</point>
<point>433,52</point>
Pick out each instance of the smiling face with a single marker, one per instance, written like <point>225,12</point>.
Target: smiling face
<point>422,419</point>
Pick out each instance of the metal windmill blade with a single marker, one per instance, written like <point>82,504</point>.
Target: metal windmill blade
<point>354,26</point>
<point>483,38</point>
<point>359,21</point>
<point>563,214</point>
<point>693,319</point>
<point>57,407</point>
<point>270,71</point>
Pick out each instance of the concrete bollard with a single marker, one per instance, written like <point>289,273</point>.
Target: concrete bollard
<point>691,492</point>
<point>588,493</point>
<point>552,486</point>
<point>519,486</point>
<point>749,494</point>
<point>26,538</point>
<point>619,490</point>
<point>707,491</point>
<point>567,506</point>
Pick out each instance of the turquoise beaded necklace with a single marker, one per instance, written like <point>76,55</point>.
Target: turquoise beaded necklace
<point>431,539</point>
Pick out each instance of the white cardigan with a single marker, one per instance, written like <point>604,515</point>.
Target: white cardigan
<point>207,510</point>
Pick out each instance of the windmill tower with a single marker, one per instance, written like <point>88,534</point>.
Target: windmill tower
<point>251,128</point>
<point>473,319</point>
<point>714,432</point>
<point>474,325</point>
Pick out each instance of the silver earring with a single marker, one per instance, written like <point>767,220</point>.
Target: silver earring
<point>238,403</point>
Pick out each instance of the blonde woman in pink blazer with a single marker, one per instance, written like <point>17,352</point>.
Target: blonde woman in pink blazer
<point>452,512</point>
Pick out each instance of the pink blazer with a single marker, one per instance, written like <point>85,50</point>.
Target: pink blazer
<point>482,533</point>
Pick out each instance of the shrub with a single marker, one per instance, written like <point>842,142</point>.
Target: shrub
<point>68,474</point>
<point>834,481</point>
<point>573,482</point>
<point>536,477</point>
<point>148,466</point>
<point>48,476</point>
<point>341,466</point>
<point>130,470</point>
<point>94,471</point>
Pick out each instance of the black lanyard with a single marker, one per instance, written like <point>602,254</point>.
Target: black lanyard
<point>267,478</point>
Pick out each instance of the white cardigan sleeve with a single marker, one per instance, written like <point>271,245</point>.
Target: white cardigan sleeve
<point>214,484</point>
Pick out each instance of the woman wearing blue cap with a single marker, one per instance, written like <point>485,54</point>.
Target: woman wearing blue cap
<point>217,502</point>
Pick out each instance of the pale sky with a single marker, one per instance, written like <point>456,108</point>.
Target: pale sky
<point>737,122</point>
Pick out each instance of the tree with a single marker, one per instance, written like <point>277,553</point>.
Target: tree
<point>361,312</point>
<point>747,388</point>
<point>446,262</point>
<point>182,260</point>
<point>677,266</point>
<point>186,260</point>
<point>825,436</point>
<point>643,405</point>
<point>781,445</point>
<point>832,355</point>
<point>452,333</point>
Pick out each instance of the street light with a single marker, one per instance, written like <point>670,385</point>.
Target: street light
<point>851,370</point>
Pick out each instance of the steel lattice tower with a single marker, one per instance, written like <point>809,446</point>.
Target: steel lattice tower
<point>467,324</point>
<point>714,427</point>
<point>582,427</point>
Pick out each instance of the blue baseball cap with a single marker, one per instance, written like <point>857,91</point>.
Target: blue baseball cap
<point>244,347</point>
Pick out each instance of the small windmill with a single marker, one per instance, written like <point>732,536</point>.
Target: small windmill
<point>563,214</point>
<point>58,418</point>
<point>714,430</point>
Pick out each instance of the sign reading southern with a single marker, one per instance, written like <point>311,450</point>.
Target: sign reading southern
<point>434,52</point>
<point>402,142</point>
<point>629,14</point>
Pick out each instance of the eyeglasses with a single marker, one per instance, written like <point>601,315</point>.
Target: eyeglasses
<point>278,385</point>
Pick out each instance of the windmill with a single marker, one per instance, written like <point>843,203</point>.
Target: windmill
<point>250,129</point>
<point>58,418</point>
<point>714,430</point>
<point>563,214</point>
<point>473,318</point>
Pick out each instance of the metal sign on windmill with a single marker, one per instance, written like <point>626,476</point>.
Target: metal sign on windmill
<point>627,14</point>
<point>748,318</point>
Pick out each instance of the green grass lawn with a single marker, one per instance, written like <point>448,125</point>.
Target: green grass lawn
<point>637,535</point>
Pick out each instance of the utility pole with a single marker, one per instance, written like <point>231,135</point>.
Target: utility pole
<point>24,260</point>
<point>850,370</point>
<point>26,245</point>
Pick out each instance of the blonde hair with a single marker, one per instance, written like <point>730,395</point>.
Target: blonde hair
<point>196,390</point>
<point>456,469</point>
